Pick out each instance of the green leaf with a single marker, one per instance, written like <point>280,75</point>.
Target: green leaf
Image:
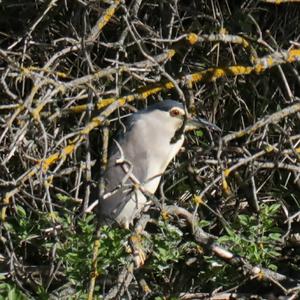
<point>243,219</point>
<point>62,197</point>
<point>21,211</point>
<point>199,133</point>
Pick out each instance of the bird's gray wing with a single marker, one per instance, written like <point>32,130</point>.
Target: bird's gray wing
<point>111,206</point>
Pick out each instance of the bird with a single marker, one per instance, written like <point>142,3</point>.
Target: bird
<point>139,156</point>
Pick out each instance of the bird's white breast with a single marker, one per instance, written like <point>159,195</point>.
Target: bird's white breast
<point>156,168</point>
<point>156,146</point>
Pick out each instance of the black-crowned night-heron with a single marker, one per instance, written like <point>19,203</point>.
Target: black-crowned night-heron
<point>139,156</point>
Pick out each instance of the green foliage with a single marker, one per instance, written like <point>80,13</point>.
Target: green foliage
<point>215,273</point>
<point>76,251</point>
<point>198,133</point>
<point>256,238</point>
<point>22,228</point>
<point>166,249</point>
<point>10,292</point>
<point>113,246</point>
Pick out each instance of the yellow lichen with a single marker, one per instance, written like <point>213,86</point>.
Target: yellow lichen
<point>240,133</point>
<point>261,275</point>
<point>105,102</point>
<point>171,53</point>
<point>223,30</point>
<point>226,187</point>
<point>217,73</point>
<point>226,172</point>
<point>237,70</point>
<point>198,200</point>
<point>37,110</point>
<point>259,68</point>
<point>68,149</point>
<point>78,108</point>
<point>49,161</point>
<point>104,20</point>
<point>192,38</point>
<point>269,148</point>
<point>169,85</point>
<point>3,213</point>
<point>294,55</point>
<point>61,74</point>
<point>245,44</point>
<point>165,215</point>
<point>196,77</point>
<point>6,199</point>
<point>151,91</point>
<point>90,126</point>
<point>270,61</point>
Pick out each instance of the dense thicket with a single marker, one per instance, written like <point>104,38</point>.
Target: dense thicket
<point>230,217</point>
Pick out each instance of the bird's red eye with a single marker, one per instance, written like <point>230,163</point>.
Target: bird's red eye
<point>175,112</point>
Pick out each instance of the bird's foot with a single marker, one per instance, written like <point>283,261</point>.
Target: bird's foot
<point>139,255</point>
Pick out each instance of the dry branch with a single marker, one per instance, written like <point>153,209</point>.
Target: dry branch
<point>70,72</point>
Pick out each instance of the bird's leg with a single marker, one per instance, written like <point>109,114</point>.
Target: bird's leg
<point>138,241</point>
<point>138,252</point>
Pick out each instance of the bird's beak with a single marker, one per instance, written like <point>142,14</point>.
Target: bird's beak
<point>195,123</point>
